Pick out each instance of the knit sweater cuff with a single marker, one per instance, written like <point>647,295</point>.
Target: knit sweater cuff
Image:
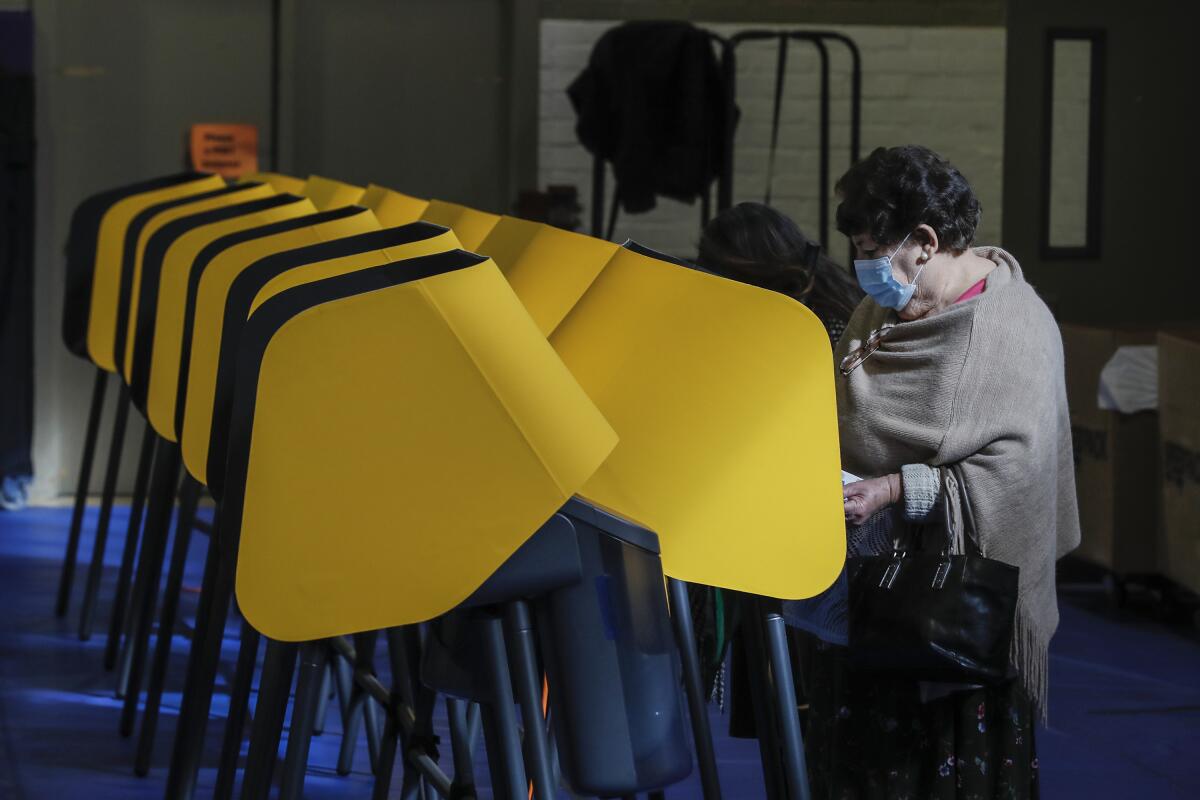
<point>922,488</point>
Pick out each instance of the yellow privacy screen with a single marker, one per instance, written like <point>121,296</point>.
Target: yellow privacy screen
<point>82,238</point>
<point>183,238</point>
<point>176,314</point>
<point>548,268</point>
<point>159,325</point>
<point>202,335</point>
<point>227,197</point>
<point>398,433</point>
<point>267,278</point>
<point>327,194</point>
<point>470,226</point>
<point>110,247</point>
<point>392,208</point>
<point>723,397</point>
<point>411,241</point>
<point>284,184</point>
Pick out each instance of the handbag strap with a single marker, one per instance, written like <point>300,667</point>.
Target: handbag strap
<point>916,537</point>
<point>970,531</point>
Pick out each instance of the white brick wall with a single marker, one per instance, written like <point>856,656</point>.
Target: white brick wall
<point>941,87</point>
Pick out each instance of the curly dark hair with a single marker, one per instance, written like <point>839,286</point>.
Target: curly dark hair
<point>756,244</point>
<point>895,189</point>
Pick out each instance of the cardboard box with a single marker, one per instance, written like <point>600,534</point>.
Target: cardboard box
<point>1117,459</point>
<point>1179,409</point>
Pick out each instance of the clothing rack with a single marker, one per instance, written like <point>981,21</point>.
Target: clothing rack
<point>729,46</point>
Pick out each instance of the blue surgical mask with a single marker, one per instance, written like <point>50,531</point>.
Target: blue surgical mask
<point>876,279</point>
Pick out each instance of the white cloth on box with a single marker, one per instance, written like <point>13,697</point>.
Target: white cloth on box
<point>1129,381</point>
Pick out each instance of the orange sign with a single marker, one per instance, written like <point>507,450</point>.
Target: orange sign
<point>228,150</point>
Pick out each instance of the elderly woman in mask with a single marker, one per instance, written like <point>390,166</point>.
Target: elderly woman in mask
<point>952,359</point>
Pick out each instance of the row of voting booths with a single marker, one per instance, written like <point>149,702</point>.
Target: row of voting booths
<point>455,456</point>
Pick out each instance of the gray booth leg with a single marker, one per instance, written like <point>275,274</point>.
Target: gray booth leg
<point>681,617</point>
<point>789,718</point>
<point>504,746</point>
<point>309,684</point>
<point>519,628</point>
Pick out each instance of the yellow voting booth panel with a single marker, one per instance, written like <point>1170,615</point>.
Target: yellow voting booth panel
<point>251,192</point>
<point>469,225</point>
<point>723,398</point>
<point>440,242</point>
<point>327,194</point>
<point>110,245</point>
<point>243,195</point>
<point>392,208</point>
<point>549,268</point>
<point>172,296</point>
<point>208,317</point>
<point>440,419</point>
<point>284,184</point>
<point>297,267</point>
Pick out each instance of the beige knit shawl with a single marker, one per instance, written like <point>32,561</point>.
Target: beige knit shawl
<point>980,384</point>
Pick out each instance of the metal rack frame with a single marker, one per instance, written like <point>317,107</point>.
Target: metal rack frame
<point>725,180</point>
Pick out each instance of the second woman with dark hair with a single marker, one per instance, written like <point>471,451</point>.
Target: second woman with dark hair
<point>756,244</point>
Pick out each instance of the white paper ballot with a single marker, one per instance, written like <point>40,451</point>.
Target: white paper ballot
<point>848,478</point>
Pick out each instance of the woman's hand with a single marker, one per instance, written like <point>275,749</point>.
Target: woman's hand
<point>864,498</point>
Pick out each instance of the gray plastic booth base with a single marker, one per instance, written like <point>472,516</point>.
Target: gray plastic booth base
<point>612,664</point>
<point>607,647</point>
<point>454,650</point>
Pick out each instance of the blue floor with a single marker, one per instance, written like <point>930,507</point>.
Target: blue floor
<point>1125,689</point>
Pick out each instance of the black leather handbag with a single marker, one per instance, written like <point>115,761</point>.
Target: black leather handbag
<point>932,614</point>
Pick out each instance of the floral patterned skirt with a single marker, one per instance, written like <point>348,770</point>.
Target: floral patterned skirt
<point>872,739</point>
